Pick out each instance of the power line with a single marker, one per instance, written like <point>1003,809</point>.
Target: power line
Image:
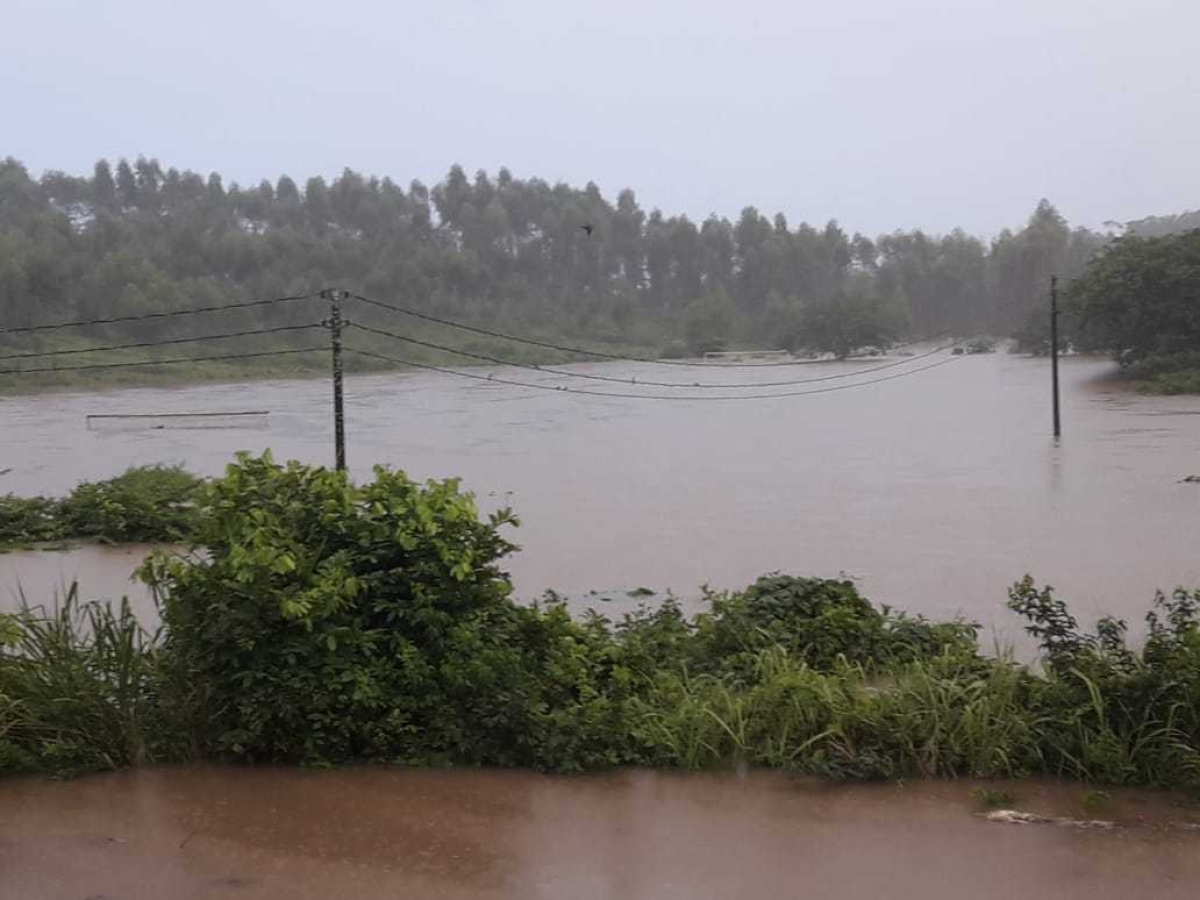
<point>160,343</point>
<point>635,381</point>
<point>163,362</point>
<point>628,396</point>
<point>565,349</point>
<point>247,304</point>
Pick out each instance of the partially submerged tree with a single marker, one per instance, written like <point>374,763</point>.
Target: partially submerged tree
<point>844,324</point>
<point>1141,297</point>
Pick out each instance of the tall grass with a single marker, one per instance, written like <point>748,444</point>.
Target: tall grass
<point>82,688</point>
<point>931,718</point>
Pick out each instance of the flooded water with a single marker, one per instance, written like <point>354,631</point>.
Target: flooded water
<point>934,491</point>
<point>364,833</point>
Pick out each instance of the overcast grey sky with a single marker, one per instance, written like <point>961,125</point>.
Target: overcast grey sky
<point>882,113</point>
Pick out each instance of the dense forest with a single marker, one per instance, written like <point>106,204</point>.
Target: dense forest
<point>496,248</point>
<point>1160,226</point>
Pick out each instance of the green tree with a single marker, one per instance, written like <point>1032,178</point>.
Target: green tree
<point>709,323</point>
<point>104,189</point>
<point>844,324</point>
<point>1141,296</point>
<point>127,189</point>
<point>286,191</point>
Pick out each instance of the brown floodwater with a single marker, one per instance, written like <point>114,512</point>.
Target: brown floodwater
<point>934,491</point>
<point>203,832</point>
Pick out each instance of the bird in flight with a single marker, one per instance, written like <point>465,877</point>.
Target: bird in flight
<point>588,228</point>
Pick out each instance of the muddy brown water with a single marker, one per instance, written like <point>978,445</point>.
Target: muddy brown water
<point>206,832</point>
<point>934,491</point>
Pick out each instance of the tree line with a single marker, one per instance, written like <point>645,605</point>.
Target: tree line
<point>136,237</point>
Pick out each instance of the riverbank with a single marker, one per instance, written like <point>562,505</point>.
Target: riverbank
<point>270,833</point>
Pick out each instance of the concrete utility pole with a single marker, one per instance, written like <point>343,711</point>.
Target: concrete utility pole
<point>1054,353</point>
<point>334,324</point>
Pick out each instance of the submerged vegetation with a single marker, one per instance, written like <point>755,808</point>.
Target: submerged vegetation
<point>1171,373</point>
<point>146,504</point>
<point>327,622</point>
<point>1137,300</point>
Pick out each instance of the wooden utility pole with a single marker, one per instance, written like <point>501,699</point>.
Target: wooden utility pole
<point>1054,353</point>
<point>335,333</point>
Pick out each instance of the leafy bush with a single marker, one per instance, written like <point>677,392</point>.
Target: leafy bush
<point>1163,364</point>
<point>675,349</point>
<point>1166,373</point>
<point>1109,714</point>
<point>145,504</point>
<point>820,621</point>
<point>28,520</point>
<point>1172,383</point>
<point>329,622</point>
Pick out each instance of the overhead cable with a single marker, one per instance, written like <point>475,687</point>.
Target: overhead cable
<point>631,396</point>
<point>246,304</point>
<point>160,343</point>
<point>642,381</point>
<point>162,362</point>
<point>599,354</point>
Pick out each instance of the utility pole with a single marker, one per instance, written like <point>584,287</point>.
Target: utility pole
<point>334,323</point>
<point>1054,352</point>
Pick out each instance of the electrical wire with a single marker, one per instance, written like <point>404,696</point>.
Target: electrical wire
<point>628,396</point>
<point>247,304</point>
<point>163,362</point>
<point>636,381</point>
<point>160,343</point>
<point>577,350</point>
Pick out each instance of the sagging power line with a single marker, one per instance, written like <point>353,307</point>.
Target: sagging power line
<point>551,370</point>
<point>162,342</point>
<point>224,307</point>
<point>579,351</point>
<point>162,362</point>
<point>630,396</point>
<point>336,324</point>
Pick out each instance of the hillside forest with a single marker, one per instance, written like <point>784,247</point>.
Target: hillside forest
<point>498,249</point>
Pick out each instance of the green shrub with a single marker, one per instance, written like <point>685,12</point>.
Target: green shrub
<point>1164,364</point>
<point>676,349</point>
<point>820,621</point>
<point>1172,383</point>
<point>1106,713</point>
<point>29,520</point>
<point>1166,373</point>
<point>331,622</point>
<point>147,504</point>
